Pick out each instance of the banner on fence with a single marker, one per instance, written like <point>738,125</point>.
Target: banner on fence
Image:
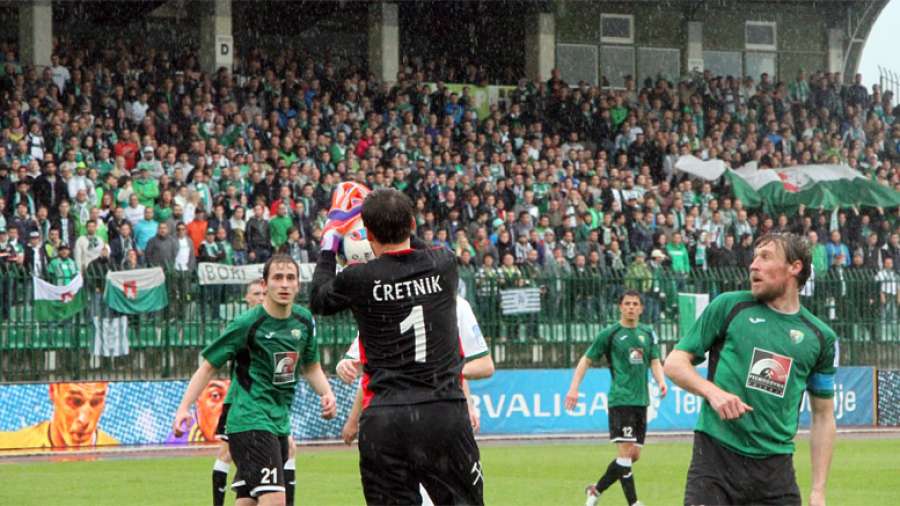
<point>136,291</point>
<point>531,401</point>
<point>520,301</point>
<point>223,274</point>
<point>481,97</point>
<point>36,416</point>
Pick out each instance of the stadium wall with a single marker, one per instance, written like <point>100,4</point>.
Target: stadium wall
<point>513,402</point>
<point>802,41</point>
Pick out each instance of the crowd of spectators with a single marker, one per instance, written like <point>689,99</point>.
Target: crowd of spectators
<point>140,159</point>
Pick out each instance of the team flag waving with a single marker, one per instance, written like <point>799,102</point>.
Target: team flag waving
<point>824,186</point>
<point>137,291</point>
<point>54,302</point>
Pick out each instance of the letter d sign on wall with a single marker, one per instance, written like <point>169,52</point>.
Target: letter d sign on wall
<point>224,51</point>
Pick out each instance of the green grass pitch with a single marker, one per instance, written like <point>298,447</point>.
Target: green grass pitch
<point>864,472</point>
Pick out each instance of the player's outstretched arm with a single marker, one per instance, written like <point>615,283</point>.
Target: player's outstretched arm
<point>657,370</point>
<point>199,380</point>
<point>680,370</point>
<point>821,444</point>
<point>480,368</point>
<point>325,298</point>
<point>319,383</point>
<point>580,370</point>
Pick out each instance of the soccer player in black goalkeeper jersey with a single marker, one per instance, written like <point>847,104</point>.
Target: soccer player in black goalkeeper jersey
<point>415,425</point>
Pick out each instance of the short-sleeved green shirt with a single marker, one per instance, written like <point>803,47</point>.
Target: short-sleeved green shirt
<point>766,358</point>
<point>630,351</point>
<point>267,352</point>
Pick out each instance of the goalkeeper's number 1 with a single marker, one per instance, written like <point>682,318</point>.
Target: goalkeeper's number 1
<point>416,321</point>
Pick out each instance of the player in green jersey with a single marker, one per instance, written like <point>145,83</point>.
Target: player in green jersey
<point>765,351</point>
<point>254,296</point>
<point>630,348</point>
<point>267,343</point>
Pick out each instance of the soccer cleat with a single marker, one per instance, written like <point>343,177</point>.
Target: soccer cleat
<point>639,503</point>
<point>592,495</point>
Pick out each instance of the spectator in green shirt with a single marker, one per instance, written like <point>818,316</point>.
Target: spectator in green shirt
<point>146,188</point>
<point>677,251</point>
<point>819,254</point>
<point>62,269</point>
<point>279,226</point>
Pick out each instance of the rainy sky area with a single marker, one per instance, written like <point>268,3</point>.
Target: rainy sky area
<point>882,44</point>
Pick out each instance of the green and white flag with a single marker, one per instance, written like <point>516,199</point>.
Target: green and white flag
<point>520,301</point>
<point>824,186</point>
<point>690,307</point>
<point>54,302</point>
<point>135,292</point>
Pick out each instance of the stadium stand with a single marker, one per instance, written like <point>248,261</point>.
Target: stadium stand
<point>138,159</point>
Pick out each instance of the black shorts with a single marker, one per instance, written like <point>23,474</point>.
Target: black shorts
<point>220,426</point>
<point>628,424</point>
<point>720,476</point>
<point>430,443</point>
<point>260,458</point>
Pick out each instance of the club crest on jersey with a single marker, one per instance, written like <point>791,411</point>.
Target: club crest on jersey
<point>769,372</point>
<point>796,336</point>
<point>295,333</point>
<point>285,364</point>
<point>636,356</point>
<point>641,338</point>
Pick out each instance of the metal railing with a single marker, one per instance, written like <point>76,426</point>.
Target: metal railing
<point>888,80</point>
<point>166,343</point>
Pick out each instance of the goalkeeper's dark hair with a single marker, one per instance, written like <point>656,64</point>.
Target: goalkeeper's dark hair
<point>795,248</point>
<point>388,215</point>
<point>279,258</point>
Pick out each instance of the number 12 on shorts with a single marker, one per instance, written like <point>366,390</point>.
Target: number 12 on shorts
<point>416,321</point>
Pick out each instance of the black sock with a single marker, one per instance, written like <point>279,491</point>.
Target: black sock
<point>613,472</point>
<point>289,482</point>
<point>219,480</point>
<point>627,482</point>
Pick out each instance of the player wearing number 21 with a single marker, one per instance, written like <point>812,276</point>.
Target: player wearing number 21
<point>269,344</point>
<point>415,425</point>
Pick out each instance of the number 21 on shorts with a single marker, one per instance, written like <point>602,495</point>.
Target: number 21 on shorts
<point>269,475</point>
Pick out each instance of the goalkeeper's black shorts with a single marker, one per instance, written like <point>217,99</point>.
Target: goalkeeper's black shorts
<point>430,443</point>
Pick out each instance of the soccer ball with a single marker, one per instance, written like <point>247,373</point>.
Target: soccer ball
<point>355,248</point>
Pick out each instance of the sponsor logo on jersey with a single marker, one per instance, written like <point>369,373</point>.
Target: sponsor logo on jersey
<point>636,355</point>
<point>285,364</point>
<point>796,336</point>
<point>769,372</point>
<point>757,320</point>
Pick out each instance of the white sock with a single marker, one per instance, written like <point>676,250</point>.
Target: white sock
<point>221,466</point>
<point>290,464</point>
<point>623,461</point>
